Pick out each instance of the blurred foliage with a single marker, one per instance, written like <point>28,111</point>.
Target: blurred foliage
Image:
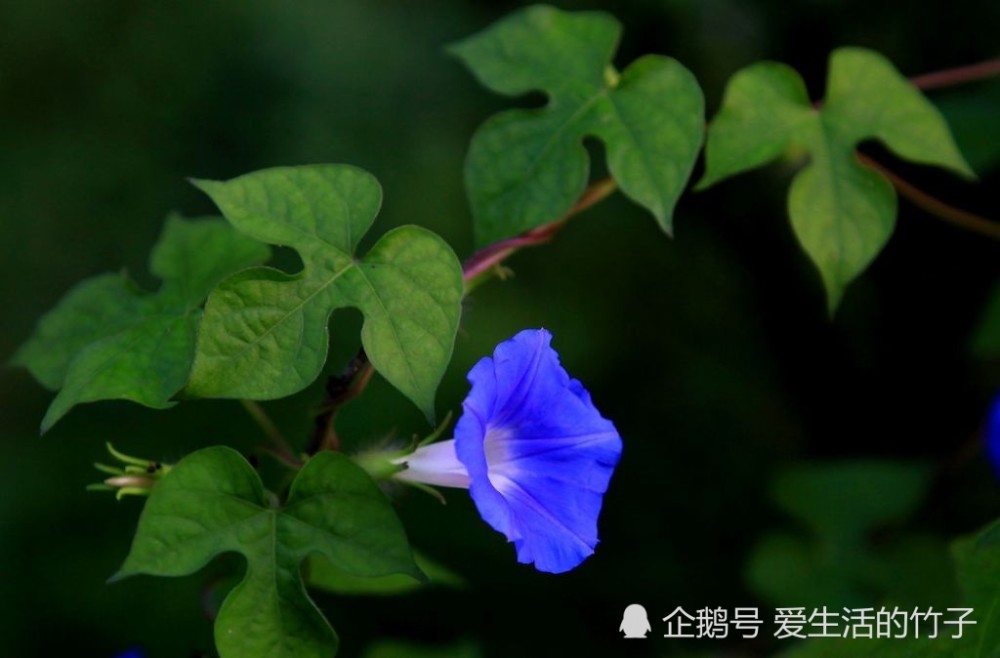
<point>854,554</point>
<point>389,649</point>
<point>712,351</point>
<point>986,340</point>
<point>977,571</point>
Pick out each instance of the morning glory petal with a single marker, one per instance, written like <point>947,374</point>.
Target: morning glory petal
<point>993,436</point>
<point>132,653</point>
<point>539,454</point>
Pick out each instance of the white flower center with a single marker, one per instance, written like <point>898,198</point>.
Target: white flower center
<point>496,446</point>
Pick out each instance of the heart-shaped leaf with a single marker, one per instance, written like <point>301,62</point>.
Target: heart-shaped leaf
<point>213,502</point>
<point>528,167</point>
<point>108,339</point>
<point>842,211</point>
<point>264,334</point>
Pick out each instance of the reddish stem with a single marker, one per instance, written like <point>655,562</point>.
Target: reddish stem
<point>339,390</point>
<point>934,206</point>
<point>353,381</point>
<point>490,256</point>
<point>959,75</point>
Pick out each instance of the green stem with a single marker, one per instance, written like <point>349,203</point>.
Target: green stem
<point>278,447</point>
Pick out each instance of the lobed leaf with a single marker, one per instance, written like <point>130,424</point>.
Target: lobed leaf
<point>213,502</point>
<point>264,334</point>
<point>108,339</point>
<point>842,212</point>
<point>527,167</point>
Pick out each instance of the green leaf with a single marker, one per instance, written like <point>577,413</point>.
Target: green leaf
<point>978,567</point>
<point>108,339</point>
<point>528,167</point>
<point>837,563</point>
<point>320,574</point>
<point>213,502</point>
<point>845,500</point>
<point>978,573</point>
<point>842,211</point>
<point>264,334</point>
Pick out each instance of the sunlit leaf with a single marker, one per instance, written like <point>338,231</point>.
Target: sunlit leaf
<point>264,334</point>
<point>108,339</point>
<point>842,211</point>
<point>527,167</point>
<point>213,502</point>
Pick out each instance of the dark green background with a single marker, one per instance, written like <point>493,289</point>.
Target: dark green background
<point>711,352</point>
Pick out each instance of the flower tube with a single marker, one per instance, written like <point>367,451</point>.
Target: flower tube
<point>532,449</point>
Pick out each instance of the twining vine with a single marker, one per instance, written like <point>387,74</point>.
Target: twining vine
<point>530,446</point>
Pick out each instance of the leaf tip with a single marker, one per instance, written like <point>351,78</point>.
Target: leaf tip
<point>454,49</point>
<point>704,183</point>
<point>48,421</point>
<point>430,415</point>
<point>417,573</point>
<point>833,298</point>
<point>204,184</point>
<point>665,222</point>
<point>966,171</point>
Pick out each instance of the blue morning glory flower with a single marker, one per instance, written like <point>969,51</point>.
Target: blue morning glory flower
<point>993,436</point>
<point>532,449</point>
<point>131,653</point>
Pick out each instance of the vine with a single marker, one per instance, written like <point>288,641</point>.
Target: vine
<point>530,446</point>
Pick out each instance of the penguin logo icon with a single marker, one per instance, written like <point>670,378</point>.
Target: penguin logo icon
<point>635,622</point>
